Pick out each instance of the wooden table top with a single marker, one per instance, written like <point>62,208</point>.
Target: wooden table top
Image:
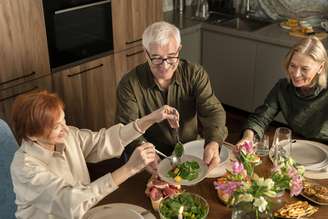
<point>133,192</point>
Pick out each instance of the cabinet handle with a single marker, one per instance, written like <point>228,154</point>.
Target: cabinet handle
<point>23,92</point>
<point>81,6</point>
<point>134,53</point>
<point>134,41</point>
<point>81,72</point>
<point>20,77</point>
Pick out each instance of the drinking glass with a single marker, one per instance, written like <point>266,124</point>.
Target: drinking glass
<point>262,146</point>
<point>281,145</point>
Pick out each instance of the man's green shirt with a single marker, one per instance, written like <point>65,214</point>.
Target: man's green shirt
<point>190,92</point>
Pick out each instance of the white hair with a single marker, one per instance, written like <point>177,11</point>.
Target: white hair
<point>160,33</point>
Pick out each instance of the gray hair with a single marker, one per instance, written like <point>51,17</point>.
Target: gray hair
<point>314,48</point>
<point>160,33</point>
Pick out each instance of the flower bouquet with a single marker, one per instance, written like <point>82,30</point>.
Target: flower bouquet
<point>241,184</point>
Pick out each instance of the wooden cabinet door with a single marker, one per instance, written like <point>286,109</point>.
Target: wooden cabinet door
<point>24,53</point>
<point>99,93</point>
<point>7,96</point>
<point>130,18</point>
<point>230,63</point>
<point>127,60</point>
<point>88,91</point>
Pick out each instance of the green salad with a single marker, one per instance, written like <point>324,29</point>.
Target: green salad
<point>178,149</point>
<point>194,207</point>
<point>188,170</point>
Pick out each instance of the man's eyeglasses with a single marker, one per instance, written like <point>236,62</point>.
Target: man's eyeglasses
<point>159,61</point>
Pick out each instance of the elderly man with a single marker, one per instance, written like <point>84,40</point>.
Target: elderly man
<point>165,79</point>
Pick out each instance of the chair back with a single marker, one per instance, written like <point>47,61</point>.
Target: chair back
<point>8,147</point>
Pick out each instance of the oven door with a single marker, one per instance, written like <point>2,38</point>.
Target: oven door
<point>77,31</point>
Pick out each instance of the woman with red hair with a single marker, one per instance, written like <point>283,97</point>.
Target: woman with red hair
<point>49,171</point>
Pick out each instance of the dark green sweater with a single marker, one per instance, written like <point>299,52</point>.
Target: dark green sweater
<point>306,115</point>
<point>190,92</point>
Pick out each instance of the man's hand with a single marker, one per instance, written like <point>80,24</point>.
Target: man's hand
<point>211,155</point>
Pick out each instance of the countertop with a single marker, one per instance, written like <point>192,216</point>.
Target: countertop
<point>272,33</point>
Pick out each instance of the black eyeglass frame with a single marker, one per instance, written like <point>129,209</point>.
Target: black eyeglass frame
<point>166,59</point>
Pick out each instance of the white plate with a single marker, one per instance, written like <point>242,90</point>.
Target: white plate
<point>118,210</point>
<point>306,152</point>
<point>196,148</point>
<point>165,166</point>
<point>312,155</point>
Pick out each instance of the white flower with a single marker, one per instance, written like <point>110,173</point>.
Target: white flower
<point>300,169</point>
<point>260,203</point>
<point>245,198</point>
<point>268,183</point>
<point>271,194</point>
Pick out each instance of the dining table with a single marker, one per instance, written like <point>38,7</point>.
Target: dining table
<point>132,191</point>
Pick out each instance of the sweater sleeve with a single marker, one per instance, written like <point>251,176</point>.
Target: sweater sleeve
<point>265,113</point>
<point>53,195</point>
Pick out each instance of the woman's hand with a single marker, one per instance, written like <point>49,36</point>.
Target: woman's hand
<point>165,112</point>
<point>169,113</point>
<point>141,157</point>
<point>247,136</point>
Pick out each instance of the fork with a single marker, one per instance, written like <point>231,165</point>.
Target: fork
<point>176,132</point>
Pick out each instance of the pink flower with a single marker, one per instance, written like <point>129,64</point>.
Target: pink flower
<point>296,185</point>
<point>247,147</point>
<point>237,167</point>
<point>228,187</point>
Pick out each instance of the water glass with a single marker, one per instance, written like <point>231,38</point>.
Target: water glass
<point>282,143</point>
<point>262,146</point>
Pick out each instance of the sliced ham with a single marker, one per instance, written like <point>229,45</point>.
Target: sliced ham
<point>155,194</point>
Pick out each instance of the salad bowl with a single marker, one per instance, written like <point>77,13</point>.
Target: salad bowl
<point>184,205</point>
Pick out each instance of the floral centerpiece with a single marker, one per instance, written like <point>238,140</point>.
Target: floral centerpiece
<point>243,185</point>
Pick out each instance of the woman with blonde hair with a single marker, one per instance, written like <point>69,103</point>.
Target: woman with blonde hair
<point>302,97</point>
<point>49,171</point>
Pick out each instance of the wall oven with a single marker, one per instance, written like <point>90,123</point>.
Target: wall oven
<point>77,29</point>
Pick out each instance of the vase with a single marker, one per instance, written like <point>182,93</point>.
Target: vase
<point>246,210</point>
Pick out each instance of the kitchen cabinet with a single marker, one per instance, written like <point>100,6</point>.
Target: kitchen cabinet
<point>127,60</point>
<point>8,95</point>
<point>191,46</point>
<point>230,63</point>
<point>24,53</point>
<point>88,91</point>
<point>268,70</point>
<point>130,18</point>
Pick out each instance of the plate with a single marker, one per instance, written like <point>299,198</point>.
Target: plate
<point>313,200</point>
<point>118,210</point>
<point>196,148</point>
<point>165,166</point>
<point>312,155</point>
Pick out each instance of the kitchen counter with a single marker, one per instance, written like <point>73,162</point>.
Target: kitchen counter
<point>271,34</point>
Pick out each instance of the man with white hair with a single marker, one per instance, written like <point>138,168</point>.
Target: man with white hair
<point>167,79</point>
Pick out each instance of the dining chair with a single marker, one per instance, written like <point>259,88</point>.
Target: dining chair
<point>8,146</point>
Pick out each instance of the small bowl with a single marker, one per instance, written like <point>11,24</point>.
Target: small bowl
<point>197,200</point>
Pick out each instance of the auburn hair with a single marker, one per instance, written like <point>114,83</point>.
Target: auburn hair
<point>35,114</point>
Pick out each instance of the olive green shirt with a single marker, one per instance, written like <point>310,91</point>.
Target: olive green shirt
<point>306,115</point>
<point>190,92</point>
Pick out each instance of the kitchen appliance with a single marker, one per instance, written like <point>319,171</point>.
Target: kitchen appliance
<point>77,29</point>
<point>221,6</point>
<point>201,11</point>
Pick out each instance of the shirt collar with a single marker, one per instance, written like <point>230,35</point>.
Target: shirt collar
<point>40,153</point>
<point>149,81</point>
